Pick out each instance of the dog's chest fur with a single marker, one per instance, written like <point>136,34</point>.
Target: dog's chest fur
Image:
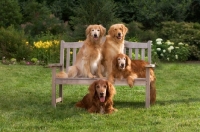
<point>102,110</point>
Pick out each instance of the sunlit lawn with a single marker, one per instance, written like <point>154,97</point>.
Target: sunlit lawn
<point>25,103</point>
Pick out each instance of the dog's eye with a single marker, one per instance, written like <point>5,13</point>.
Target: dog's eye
<point>97,86</point>
<point>105,86</point>
<point>92,29</point>
<point>98,30</point>
<point>124,58</point>
<point>118,58</point>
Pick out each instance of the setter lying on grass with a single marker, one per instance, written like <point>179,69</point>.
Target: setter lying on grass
<point>123,67</point>
<point>99,99</point>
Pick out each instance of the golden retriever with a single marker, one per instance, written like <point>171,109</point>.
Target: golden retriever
<point>113,45</point>
<point>123,67</point>
<point>99,99</point>
<point>88,60</point>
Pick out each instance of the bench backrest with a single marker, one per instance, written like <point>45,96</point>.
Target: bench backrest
<point>68,51</point>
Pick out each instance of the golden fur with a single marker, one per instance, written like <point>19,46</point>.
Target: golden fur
<point>88,59</point>
<point>113,45</point>
<point>99,99</point>
<point>123,67</point>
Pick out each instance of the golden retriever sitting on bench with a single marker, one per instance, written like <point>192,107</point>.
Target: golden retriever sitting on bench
<point>88,59</point>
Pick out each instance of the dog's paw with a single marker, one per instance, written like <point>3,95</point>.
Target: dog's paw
<point>62,74</point>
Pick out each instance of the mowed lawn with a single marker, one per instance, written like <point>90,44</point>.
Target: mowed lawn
<point>25,103</point>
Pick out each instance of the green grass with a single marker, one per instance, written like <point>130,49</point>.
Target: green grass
<point>25,103</point>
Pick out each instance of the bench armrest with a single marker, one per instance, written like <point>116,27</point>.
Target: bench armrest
<point>150,66</point>
<point>55,65</point>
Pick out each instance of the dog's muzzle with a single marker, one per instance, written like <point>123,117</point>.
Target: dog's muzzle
<point>102,97</point>
<point>119,36</point>
<point>122,66</point>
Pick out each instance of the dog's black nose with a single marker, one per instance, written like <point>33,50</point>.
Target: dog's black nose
<point>101,94</point>
<point>119,34</point>
<point>95,35</point>
<point>122,65</point>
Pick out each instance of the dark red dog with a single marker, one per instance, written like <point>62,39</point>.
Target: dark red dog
<point>123,67</point>
<point>99,99</point>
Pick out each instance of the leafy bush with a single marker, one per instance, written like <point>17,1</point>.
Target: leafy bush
<point>169,51</point>
<point>10,13</point>
<point>183,32</point>
<point>46,48</point>
<point>137,32</point>
<point>13,44</point>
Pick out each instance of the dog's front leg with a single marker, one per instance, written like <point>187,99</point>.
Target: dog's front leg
<point>111,78</point>
<point>87,69</point>
<point>130,80</point>
<point>100,70</point>
<point>93,109</point>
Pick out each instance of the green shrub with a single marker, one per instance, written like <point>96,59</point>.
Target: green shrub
<point>46,48</point>
<point>183,32</point>
<point>13,44</point>
<point>169,51</point>
<point>136,32</point>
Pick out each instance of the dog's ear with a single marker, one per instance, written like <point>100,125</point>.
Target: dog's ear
<point>111,89</point>
<point>128,61</point>
<point>87,31</point>
<point>125,29</point>
<point>102,30</point>
<point>91,88</point>
<point>110,31</point>
<point>114,63</point>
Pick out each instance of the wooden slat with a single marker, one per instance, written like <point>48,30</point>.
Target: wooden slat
<point>74,55</point>
<point>88,81</point>
<point>136,53</point>
<point>142,54</point>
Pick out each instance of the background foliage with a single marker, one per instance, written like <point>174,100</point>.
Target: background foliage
<point>67,19</point>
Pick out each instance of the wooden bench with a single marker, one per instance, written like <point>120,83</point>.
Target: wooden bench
<point>68,52</point>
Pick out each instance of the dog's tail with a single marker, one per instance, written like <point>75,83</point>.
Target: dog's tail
<point>72,71</point>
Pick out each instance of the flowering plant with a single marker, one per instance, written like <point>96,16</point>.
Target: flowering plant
<point>46,49</point>
<point>169,51</point>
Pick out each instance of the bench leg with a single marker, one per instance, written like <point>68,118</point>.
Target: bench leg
<point>61,92</point>
<point>53,92</point>
<point>147,101</point>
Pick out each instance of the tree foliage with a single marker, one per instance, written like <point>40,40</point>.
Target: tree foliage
<point>92,12</point>
<point>10,13</point>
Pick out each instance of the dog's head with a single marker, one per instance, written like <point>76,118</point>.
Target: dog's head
<point>102,89</point>
<point>118,31</point>
<point>121,62</point>
<point>95,32</point>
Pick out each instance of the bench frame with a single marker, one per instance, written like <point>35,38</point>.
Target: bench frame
<point>138,48</point>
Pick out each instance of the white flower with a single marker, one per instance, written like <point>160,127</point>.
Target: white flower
<point>176,47</point>
<point>158,42</point>
<point>176,56</point>
<point>186,44</point>
<point>164,51</point>
<point>158,49</point>
<point>158,39</point>
<point>170,48</point>
<point>168,58</point>
<point>161,54</point>
<point>180,43</point>
<point>168,42</point>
